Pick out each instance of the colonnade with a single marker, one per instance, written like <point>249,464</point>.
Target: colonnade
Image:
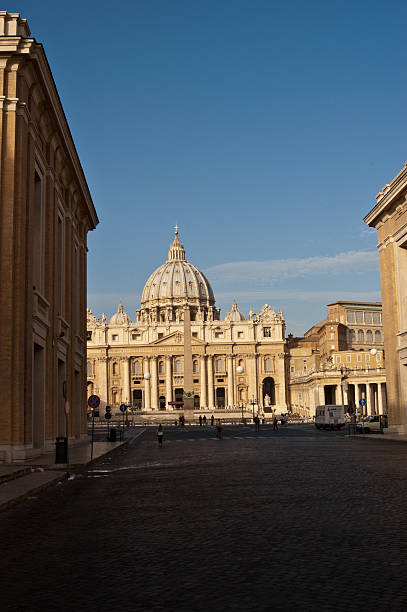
<point>155,384</point>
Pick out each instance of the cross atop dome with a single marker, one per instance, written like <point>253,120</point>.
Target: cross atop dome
<point>177,251</point>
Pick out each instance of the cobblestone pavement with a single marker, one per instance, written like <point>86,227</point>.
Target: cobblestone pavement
<point>289,520</point>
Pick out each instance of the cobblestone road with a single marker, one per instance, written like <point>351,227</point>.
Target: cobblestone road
<point>289,520</point>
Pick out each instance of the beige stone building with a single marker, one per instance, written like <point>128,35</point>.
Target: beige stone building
<point>236,360</point>
<point>340,361</point>
<point>45,214</point>
<point>389,217</point>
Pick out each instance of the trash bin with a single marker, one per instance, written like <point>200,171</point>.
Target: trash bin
<point>61,450</point>
<point>113,434</point>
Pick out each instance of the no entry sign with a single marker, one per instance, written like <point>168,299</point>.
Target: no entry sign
<point>94,401</point>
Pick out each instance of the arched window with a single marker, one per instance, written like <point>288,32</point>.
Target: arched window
<point>161,367</point>
<point>361,335</point>
<point>267,364</point>
<point>89,368</point>
<point>195,367</point>
<point>352,335</point>
<point>369,336</point>
<point>177,366</point>
<point>136,367</point>
<point>219,365</point>
<point>378,336</point>
<point>241,363</point>
<point>115,369</point>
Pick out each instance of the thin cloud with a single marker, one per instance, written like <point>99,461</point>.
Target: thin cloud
<point>243,271</point>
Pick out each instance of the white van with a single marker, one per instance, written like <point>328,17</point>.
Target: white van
<point>374,422</point>
<point>329,416</point>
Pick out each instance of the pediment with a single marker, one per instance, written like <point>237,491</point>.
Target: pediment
<point>176,338</point>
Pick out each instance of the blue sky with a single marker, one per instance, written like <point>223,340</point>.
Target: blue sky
<point>264,129</point>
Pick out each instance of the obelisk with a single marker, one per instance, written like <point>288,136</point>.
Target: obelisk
<point>188,374</point>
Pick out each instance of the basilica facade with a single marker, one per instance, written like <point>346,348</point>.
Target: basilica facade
<point>236,361</point>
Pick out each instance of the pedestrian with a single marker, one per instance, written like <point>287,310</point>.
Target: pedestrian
<point>200,420</point>
<point>160,435</point>
<point>275,426</point>
<point>212,420</point>
<point>219,429</point>
<point>257,422</point>
<point>204,420</point>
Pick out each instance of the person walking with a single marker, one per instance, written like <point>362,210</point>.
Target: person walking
<point>212,420</point>
<point>160,435</point>
<point>257,423</point>
<point>200,420</point>
<point>204,420</point>
<point>275,426</point>
<point>219,429</point>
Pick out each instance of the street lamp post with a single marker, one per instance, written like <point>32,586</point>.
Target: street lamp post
<point>253,403</point>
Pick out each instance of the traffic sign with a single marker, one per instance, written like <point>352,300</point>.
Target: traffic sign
<point>94,401</point>
<point>362,402</point>
<point>108,409</point>
<point>108,415</point>
<point>123,407</point>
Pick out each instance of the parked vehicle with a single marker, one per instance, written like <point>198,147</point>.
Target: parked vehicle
<point>330,416</point>
<point>372,423</point>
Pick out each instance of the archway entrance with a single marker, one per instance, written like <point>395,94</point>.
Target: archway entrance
<point>220,397</point>
<point>196,401</point>
<point>137,399</point>
<point>269,394</point>
<point>162,402</point>
<point>179,397</point>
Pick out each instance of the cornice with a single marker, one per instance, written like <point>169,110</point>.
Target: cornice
<point>386,197</point>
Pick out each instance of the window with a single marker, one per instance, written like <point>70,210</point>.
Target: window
<point>160,335</point>
<point>369,336</point>
<point>352,335</point>
<point>136,368</point>
<point>338,359</point>
<point>266,332</point>
<point>88,336</point>
<point>195,334</point>
<point>292,369</point>
<point>368,318</point>
<point>115,337</point>
<point>115,369</point>
<point>361,335</point>
<point>161,367</point>
<point>378,357</point>
<point>377,318</point>
<point>219,365</point>
<point>89,368</point>
<point>359,316</point>
<point>350,316</point>
<point>378,336</point>
<point>240,334</point>
<point>218,334</point>
<point>332,336</point>
<point>359,357</point>
<point>267,364</point>
<point>178,366</point>
<point>195,367</point>
<point>136,336</point>
<point>348,358</point>
<point>367,357</point>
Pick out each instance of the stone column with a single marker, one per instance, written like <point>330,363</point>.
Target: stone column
<point>103,381</point>
<point>154,383</point>
<point>126,381</point>
<point>168,383</point>
<point>338,395</point>
<point>380,398</point>
<point>203,398</point>
<point>147,395</point>
<point>321,393</point>
<point>252,378</point>
<point>230,381</point>
<point>369,402</point>
<point>357,396</point>
<point>211,400</point>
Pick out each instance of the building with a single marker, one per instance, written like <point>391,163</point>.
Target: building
<point>389,217</point>
<point>236,361</point>
<point>340,361</point>
<point>45,213</point>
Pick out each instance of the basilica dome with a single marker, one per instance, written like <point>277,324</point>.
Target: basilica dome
<point>176,282</point>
